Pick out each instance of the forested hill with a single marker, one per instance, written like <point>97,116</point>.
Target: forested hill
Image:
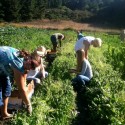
<point>103,11</point>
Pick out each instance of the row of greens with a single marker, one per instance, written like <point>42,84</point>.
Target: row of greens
<point>54,101</point>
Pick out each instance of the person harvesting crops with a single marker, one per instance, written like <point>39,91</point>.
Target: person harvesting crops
<point>85,43</point>
<point>39,72</point>
<point>56,39</point>
<point>15,64</point>
<point>83,72</point>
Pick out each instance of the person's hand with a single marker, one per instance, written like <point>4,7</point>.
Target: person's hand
<point>72,70</point>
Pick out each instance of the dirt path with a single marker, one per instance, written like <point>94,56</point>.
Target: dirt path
<point>54,24</point>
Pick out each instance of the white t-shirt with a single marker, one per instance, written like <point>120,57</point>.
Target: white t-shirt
<point>80,43</point>
<point>58,34</point>
<point>33,73</point>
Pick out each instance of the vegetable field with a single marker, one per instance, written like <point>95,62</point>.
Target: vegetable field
<point>54,102</point>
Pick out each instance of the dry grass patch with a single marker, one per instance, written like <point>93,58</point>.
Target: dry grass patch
<point>63,24</point>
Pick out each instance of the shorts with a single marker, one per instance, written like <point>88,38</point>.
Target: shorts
<point>5,87</point>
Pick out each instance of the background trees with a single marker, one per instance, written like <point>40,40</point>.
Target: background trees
<point>111,11</point>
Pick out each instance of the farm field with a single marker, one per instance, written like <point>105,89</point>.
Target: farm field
<point>54,102</point>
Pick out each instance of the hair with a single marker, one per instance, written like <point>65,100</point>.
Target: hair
<point>98,42</point>
<point>41,48</point>
<point>26,55</point>
<point>23,53</point>
<point>61,36</point>
<point>36,57</point>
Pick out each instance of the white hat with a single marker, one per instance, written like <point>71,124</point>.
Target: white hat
<point>41,51</point>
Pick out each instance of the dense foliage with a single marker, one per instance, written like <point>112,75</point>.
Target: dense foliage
<point>54,101</point>
<point>106,11</point>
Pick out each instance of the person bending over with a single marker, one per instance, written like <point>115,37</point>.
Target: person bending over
<point>15,64</point>
<point>39,72</point>
<point>85,43</point>
<point>56,39</point>
<point>83,72</point>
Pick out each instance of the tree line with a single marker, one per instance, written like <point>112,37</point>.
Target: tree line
<point>78,10</point>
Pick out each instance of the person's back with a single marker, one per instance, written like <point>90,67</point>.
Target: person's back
<point>58,34</point>
<point>89,38</point>
<point>9,56</point>
<point>79,44</point>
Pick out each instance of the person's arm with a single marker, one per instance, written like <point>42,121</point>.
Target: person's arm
<point>73,71</point>
<point>60,38</point>
<point>20,80</point>
<point>42,70</point>
<point>60,42</point>
<point>86,54</point>
<point>79,60</point>
<point>87,45</point>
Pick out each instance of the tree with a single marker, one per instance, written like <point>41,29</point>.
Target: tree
<point>11,9</point>
<point>39,8</point>
<point>27,8</point>
<point>1,12</point>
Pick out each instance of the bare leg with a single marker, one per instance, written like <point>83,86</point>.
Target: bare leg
<point>80,58</point>
<point>4,112</point>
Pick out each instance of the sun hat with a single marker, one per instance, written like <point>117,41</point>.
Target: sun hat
<point>41,51</point>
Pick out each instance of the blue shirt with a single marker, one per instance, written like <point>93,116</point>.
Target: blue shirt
<point>80,35</point>
<point>8,59</point>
